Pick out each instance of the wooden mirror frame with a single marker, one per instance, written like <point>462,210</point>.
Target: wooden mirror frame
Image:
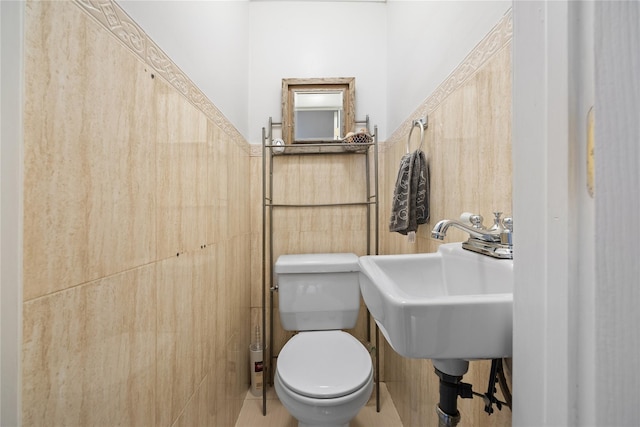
<point>290,86</point>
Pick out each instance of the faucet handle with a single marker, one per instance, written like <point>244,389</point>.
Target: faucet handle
<point>497,222</point>
<point>506,237</point>
<point>474,219</point>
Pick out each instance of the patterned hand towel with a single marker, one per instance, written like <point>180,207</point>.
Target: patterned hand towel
<point>422,193</point>
<point>410,206</point>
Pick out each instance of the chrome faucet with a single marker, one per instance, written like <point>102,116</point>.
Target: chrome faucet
<point>495,241</point>
<point>477,231</point>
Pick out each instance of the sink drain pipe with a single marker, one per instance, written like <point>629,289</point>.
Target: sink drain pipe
<point>451,386</point>
<point>446,420</point>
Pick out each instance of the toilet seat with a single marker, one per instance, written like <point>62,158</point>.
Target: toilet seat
<point>324,364</point>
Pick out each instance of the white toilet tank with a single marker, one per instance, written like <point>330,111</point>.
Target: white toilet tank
<point>318,291</point>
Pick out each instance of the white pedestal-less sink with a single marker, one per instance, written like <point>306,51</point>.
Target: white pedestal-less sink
<point>451,304</point>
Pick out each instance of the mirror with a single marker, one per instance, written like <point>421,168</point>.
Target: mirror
<point>317,115</point>
<point>317,110</point>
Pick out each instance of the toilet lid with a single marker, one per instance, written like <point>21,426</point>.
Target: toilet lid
<point>324,364</point>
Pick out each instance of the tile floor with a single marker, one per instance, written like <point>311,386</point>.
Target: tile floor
<point>277,415</point>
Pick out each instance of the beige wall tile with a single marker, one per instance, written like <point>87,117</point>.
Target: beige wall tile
<point>115,156</point>
<point>89,354</point>
<point>217,177</point>
<point>255,192</point>
<point>89,205</point>
<point>494,132</point>
<point>196,412</point>
<point>181,173</point>
<point>210,406</point>
<point>256,271</point>
<point>239,201</point>
<point>286,180</point>
<point>182,332</point>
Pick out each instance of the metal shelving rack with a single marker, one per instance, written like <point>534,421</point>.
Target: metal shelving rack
<point>371,204</point>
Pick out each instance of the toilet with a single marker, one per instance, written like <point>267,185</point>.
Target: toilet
<point>324,375</point>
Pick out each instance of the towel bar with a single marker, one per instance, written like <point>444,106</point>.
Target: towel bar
<point>422,123</point>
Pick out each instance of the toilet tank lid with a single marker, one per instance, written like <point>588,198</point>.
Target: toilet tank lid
<point>317,263</point>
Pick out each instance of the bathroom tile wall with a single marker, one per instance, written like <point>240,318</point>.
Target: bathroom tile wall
<point>468,142</point>
<point>136,233</point>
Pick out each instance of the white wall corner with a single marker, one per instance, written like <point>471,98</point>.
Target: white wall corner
<point>542,211</point>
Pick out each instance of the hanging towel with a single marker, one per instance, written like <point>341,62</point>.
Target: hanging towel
<point>410,206</point>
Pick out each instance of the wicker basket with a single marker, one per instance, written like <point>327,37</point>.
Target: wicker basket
<point>357,138</point>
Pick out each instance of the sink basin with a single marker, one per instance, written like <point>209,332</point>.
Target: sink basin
<point>451,304</point>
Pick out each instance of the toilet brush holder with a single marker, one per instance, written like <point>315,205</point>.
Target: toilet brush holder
<point>256,365</point>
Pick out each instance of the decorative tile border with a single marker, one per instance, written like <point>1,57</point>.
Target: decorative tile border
<point>498,37</point>
<point>256,150</point>
<point>113,18</point>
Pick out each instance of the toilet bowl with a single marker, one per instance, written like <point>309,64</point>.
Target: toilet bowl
<point>324,375</point>
<point>323,378</point>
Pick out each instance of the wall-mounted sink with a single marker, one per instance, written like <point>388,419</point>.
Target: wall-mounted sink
<point>451,304</point>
